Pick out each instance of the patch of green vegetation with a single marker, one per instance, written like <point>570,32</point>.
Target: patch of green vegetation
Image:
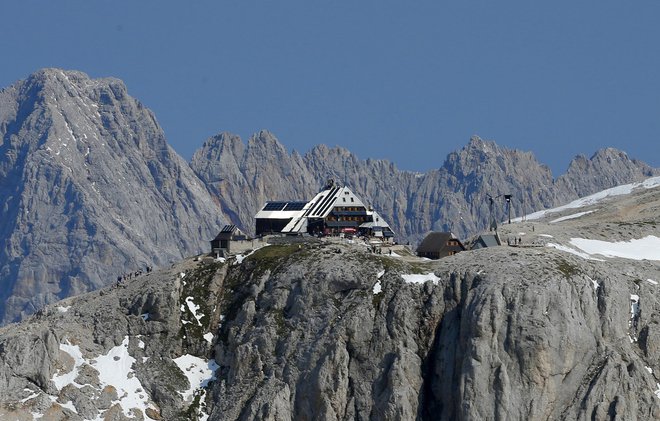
<point>638,223</point>
<point>166,375</point>
<point>196,284</point>
<point>401,266</point>
<point>232,295</point>
<point>280,323</point>
<point>275,252</point>
<point>377,299</point>
<point>569,270</point>
<point>271,257</point>
<point>361,293</point>
<point>193,410</point>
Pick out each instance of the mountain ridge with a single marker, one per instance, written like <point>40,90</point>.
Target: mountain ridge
<point>89,187</point>
<point>323,328</point>
<point>413,202</point>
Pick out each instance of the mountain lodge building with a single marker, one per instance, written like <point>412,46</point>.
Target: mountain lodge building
<point>221,244</point>
<point>334,210</point>
<point>439,244</point>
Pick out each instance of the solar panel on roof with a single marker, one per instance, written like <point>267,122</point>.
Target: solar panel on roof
<point>228,228</point>
<point>274,206</point>
<point>295,206</point>
<point>328,201</point>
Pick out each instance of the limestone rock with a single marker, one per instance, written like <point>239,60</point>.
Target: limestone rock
<point>298,332</point>
<point>90,190</point>
<point>453,197</point>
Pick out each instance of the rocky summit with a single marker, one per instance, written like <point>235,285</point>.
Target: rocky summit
<point>89,190</point>
<point>563,323</point>
<point>453,197</point>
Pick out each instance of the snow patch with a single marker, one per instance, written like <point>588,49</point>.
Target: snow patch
<point>377,288</point>
<point>573,251</point>
<point>637,249</point>
<point>32,396</point>
<point>193,309</point>
<point>595,198</point>
<point>68,405</point>
<point>241,257</point>
<point>652,282</point>
<point>198,371</point>
<point>209,337</point>
<point>634,305</point>
<point>420,278</point>
<point>115,369</point>
<point>573,216</point>
<point>63,309</point>
<point>68,378</point>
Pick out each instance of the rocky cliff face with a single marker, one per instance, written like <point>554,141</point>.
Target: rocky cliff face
<point>243,177</point>
<point>89,189</point>
<point>323,330</point>
<point>606,168</point>
<point>452,198</point>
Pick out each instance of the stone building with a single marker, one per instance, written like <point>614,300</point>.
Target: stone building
<point>439,244</point>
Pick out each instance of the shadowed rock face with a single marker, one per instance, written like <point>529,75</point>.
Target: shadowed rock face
<point>451,198</point>
<point>503,335</point>
<point>89,190</point>
<point>298,333</point>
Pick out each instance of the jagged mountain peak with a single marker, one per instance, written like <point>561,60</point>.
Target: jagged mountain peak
<point>57,84</point>
<point>476,142</point>
<point>91,187</point>
<point>481,157</point>
<point>456,191</point>
<point>607,167</point>
<point>309,328</point>
<point>265,138</point>
<point>220,145</point>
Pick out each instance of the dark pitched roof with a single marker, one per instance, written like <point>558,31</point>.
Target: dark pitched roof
<point>489,240</point>
<point>228,228</point>
<point>226,232</point>
<point>436,241</point>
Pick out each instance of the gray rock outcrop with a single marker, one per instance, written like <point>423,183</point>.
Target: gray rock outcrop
<point>453,197</point>
<point>330,330</point>
<point>89,190</point>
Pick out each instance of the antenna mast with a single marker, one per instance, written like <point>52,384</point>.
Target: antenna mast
<point>507,197</point>
<point>491,203</point>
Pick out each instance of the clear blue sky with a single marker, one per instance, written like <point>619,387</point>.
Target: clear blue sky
<point>405,81</point>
